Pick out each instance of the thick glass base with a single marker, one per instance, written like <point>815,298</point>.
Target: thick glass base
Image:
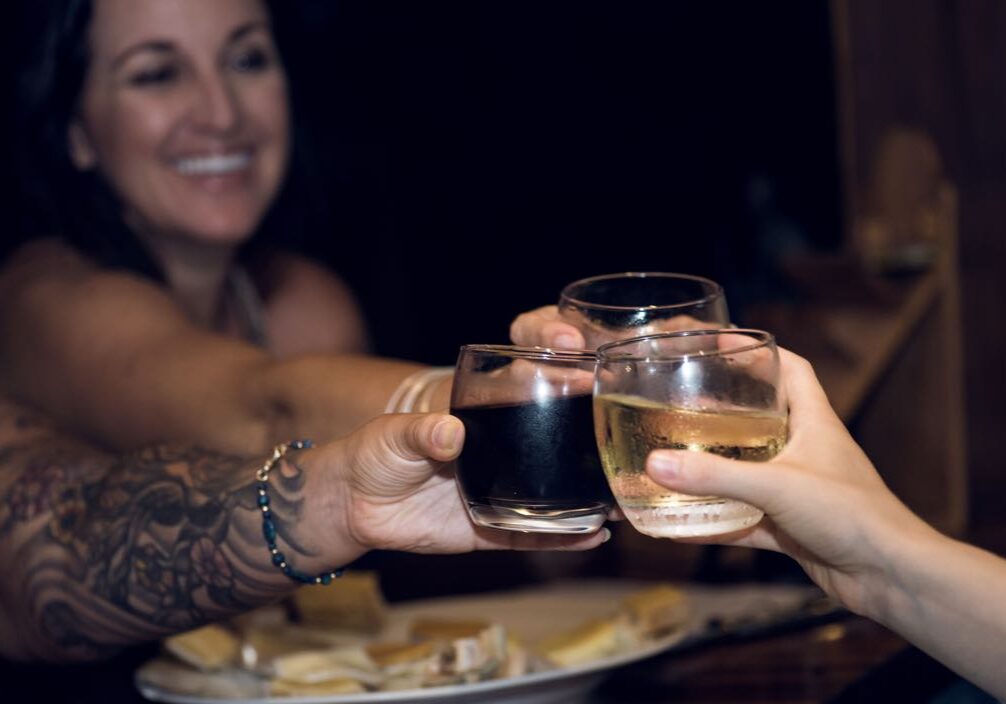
<point>538,518</point>
<point>691,520</point>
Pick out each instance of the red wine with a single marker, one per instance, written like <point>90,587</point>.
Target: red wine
<point>540,455</point>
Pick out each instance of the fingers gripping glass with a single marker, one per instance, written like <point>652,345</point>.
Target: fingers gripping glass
<point>701,390</point>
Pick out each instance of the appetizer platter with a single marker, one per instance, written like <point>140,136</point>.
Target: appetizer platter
<point>345,645</point>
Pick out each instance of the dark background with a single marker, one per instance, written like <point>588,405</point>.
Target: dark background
<point>479,155</point>
<point>473,157</point>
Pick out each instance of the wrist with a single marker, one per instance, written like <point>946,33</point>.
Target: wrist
<point>423,391</point>
<point>298,500</point>
<point>330,507</point>
<point>440,392</point>
<point>893,580</point>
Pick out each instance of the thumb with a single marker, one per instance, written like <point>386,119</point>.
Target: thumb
<point>420,436</point>
<point>705,473</point>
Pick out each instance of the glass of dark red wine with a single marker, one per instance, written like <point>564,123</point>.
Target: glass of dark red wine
<point>530,461</point>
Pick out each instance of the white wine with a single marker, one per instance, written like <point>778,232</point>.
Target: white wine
<point>629,427</point>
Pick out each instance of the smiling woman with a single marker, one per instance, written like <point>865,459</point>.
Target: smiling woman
<point>188,122</point>
<point>158,138</point>
<point>175,117</point>
<point>156,300</point>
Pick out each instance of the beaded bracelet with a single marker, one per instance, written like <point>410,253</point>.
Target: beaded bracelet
<point>269,528</point>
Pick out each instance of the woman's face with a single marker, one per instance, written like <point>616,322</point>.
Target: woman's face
<point>184,111</point>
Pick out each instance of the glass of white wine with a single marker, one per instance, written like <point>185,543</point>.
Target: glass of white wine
<point>632,303</point>
<point>714,390</point>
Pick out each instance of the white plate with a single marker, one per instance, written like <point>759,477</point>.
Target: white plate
<point>530,615</point>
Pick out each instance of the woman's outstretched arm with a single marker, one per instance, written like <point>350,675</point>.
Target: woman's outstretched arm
<point>99,551</point>
<point>113,357</point>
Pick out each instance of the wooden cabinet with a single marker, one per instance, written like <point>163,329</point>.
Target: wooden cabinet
<point>887,346</point>
<point>889,357</point>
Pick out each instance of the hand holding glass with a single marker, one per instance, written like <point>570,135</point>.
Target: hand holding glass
<point>529,461</point>
<point>618,306</point>
<point>702,390</point>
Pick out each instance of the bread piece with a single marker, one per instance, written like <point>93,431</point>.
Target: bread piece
<point>656,611</point>
<point>169,675</point>
<point>515,661</point>
<point>468,647</point>
<point>313,666</point>
<point>406,665</point>
<point>339,685</point>
<point>208,648</point>
<point>261,646</point>
<point>270,616</point>
<point>392,655</point>
<point>590,641</point>
<point>354,602</point>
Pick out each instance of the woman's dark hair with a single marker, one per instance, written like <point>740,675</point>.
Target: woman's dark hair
<point>57,199</point>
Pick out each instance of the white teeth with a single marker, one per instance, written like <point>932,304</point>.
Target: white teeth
<point>213,165</point>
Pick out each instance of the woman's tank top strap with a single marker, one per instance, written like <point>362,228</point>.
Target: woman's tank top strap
<point>248,306</point>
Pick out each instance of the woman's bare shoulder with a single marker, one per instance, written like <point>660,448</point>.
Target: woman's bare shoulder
<point>43,258</point>
<point>289,268</point>
<point>52,263</point>
<point>47,271</point>
<point>60,300</point>
<point>310,309</point>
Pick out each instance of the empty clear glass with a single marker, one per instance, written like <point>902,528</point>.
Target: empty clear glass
<point>618,306</point>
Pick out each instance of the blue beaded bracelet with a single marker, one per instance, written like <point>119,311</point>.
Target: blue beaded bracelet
<point>269,527</point>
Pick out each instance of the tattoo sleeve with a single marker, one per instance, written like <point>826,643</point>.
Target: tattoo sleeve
<point>102,551</point>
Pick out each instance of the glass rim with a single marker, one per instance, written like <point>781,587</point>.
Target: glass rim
<point>528,352</point>
<point>716,290</point>
<point>764,339</point>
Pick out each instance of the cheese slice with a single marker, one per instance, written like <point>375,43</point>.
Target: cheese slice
<point>656,611</point>
<point>211,647</point>
<point>589,641</point>
<point>339,685</point>
<point>314,666</point>
<point>352,602</point>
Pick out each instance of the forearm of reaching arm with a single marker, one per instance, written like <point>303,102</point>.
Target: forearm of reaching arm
<point>327,396</point>
<point>98,553</point>
<point>947,598</point>
<point>112,356</point>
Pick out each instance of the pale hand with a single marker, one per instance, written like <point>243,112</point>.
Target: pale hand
<point>825,504</point>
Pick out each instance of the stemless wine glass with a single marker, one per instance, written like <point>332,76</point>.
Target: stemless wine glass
<point>618,306</point>
<point>705,390</point>
<point>529,461</point>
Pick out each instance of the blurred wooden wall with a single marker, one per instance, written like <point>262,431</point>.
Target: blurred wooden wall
<point>940,65</point>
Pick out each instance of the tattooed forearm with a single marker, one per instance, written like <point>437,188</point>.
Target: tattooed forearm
<point>109,551</point>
